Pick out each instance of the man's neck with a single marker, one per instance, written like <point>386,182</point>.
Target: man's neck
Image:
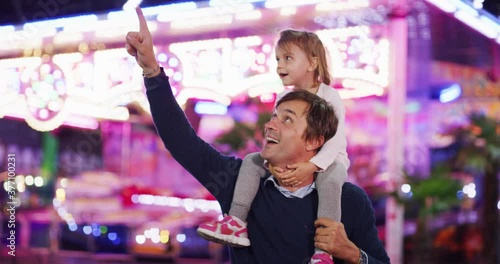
<point>308,180</point>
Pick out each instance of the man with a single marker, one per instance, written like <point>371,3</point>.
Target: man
<point>282,224</point>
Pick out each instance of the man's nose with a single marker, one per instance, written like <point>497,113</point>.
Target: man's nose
<point>271,124</point>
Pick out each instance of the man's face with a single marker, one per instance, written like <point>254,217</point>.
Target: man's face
<point>284,141</point>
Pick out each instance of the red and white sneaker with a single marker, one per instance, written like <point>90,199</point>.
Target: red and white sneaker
<point>321,258</point>
<point>229,231</point>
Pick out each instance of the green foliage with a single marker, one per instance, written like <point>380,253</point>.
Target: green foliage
<point>433,194</point>
<point>478,151</point>
<point>238,138</point>
<point>480,144</point>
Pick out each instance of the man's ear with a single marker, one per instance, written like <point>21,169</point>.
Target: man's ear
<point>314,144</point>
<point>313,65</point>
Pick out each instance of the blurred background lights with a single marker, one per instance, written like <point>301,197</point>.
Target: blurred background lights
<point>162,57</point>
<point>181,238</point>
<point>64,182</point>
<point>449,94</point>
<point>112,236</point>
<point>104,229</point>
<point>38,181</point>
<point>73,227</point>
<point>470,190</point>
<point>87,230</point>
<point>96,232</point>
<point>164,236</point>
<point>29,180</point>
<point>477,4</point>
<point>406,188</point>
<point>210,108</point>
<point>140,239</point>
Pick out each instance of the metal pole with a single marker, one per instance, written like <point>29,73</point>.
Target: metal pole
<point>398,31</point>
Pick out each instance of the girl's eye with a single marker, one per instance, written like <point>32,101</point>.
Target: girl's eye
<point>288,58</point>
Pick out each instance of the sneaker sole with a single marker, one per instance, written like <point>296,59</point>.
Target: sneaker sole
<point>223,239</point>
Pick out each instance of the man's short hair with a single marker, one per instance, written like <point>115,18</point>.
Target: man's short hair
<point>321,118</point>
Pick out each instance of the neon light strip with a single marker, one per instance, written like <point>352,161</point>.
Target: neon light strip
<point>7,29</point>
<point>476,24</point>
<point>351,4</point>
<point>479,20</point>
<point>187,203</point>
<point>282,3</point>
<point>225,2</point>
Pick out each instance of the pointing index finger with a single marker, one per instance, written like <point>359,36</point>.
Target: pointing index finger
<point>143,25</point>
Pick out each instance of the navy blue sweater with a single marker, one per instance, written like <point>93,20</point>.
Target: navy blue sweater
<point>280,229</point>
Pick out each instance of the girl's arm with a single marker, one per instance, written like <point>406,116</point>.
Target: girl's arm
<point>335,148</point>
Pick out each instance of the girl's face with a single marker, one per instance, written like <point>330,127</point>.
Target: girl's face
<point>294,68</point>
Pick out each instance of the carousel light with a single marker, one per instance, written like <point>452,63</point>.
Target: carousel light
<point>189,205</point>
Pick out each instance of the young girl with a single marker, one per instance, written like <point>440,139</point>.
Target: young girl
<point>302,64</point>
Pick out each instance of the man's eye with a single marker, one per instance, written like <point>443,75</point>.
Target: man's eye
<point>287,120</point>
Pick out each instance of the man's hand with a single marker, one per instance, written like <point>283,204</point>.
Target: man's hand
<point>298,173</point>
<point>331,237</point>
<point>140,45</point>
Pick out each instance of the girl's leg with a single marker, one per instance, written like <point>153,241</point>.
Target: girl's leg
<point>329,184</point>
<point>247,185</point>
<point>232,230</point>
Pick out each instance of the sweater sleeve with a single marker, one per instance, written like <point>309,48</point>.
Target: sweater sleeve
<point>365,234</point>
<point>215,171</point>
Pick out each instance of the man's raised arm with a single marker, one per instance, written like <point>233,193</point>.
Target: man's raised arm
<point>214,170</point>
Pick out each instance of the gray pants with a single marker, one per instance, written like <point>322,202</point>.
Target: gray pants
<point>328,183</point>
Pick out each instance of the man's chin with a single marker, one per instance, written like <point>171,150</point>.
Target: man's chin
<point>264,154</point>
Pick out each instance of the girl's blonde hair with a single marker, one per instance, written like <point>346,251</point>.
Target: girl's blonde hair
<point>312,46</point>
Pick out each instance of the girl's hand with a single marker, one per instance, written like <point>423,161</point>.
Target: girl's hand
<point>298,172</point>
<point>278,173</point>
